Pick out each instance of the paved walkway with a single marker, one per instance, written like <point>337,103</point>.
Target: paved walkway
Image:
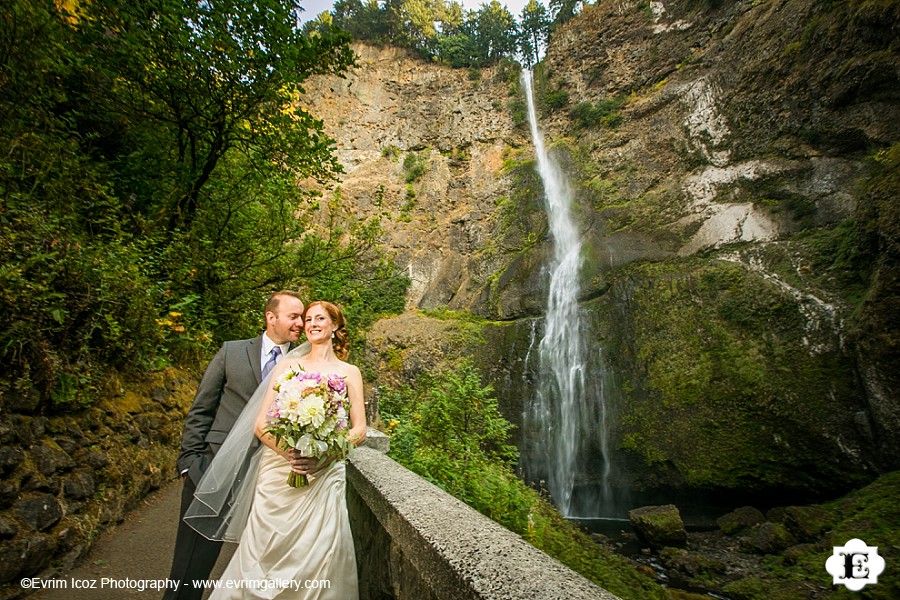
<point>138,549</point>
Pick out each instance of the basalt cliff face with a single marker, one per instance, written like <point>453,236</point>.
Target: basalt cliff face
<point>423,148</point>
<point>735,167</point>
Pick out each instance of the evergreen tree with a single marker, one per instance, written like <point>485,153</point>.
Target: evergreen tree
<point>496,33</point>
<point>564,10</point>
<point>535,30</point>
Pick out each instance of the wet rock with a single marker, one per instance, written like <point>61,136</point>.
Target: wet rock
<point>691,564</point>
<point>741,519</point>
<point>659,526</point>
<point>39,512</point>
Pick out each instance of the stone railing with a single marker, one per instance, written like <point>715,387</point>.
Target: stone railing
<point>414,541</point>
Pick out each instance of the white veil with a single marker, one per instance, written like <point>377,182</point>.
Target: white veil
<point>224,495</point>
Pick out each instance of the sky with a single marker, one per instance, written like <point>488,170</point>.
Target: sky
<point>312,8</point>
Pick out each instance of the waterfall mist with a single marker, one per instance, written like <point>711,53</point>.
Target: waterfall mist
<point>565,415</point>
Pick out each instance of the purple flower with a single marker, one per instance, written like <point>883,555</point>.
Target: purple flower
<point>336,382</point>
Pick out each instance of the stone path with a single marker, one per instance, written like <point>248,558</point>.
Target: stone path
<point>138,549</point>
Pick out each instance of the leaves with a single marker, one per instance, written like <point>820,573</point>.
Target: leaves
<point>151,157</point>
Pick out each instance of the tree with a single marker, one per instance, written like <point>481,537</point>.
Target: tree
<point>362,20</point>
<point>197,80</point>
<point>535,29</point>
<point>419,18</point>
<point>149,194</point>
<point>495,32</point>
<point>563,10</point>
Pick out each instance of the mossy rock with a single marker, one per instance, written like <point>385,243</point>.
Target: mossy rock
<point>659,526</point>
<point>758,588</point>
<point>740,519</point>
<point>808,522</point>
<point>721,380</point>
<point>692,564</point>
<point>769,538</point>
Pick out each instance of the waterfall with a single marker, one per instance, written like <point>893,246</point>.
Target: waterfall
<point>565,418</point>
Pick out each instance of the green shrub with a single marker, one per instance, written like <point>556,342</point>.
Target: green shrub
<point>553,100</point>
<point>414,165</point>
<point>448,429</point>
<point>606,113</point>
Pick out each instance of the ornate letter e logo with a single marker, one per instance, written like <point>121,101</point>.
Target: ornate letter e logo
<point>855,565</point>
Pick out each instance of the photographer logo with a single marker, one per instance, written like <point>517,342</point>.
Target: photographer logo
<point>855,565</point>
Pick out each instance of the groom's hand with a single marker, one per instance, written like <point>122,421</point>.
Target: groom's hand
<point>307,466</point>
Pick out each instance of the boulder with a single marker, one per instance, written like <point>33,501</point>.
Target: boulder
<point>740,519</point>
<point>770,538</point>
<point>658,526</point>
<point>807,522</point>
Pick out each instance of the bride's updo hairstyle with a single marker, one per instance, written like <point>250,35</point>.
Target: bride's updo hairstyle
<point>341,341</point>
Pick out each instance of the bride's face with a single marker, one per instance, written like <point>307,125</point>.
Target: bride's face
<point>318,324</point>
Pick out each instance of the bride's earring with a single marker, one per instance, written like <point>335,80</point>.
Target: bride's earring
<point>332,335</point>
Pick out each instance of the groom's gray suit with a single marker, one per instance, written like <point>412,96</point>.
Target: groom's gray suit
<point>230,379</point>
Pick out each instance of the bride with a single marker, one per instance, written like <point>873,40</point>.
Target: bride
<point>293,542</point>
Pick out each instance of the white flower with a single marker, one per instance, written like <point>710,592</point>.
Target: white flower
<point>311,411</point>
<point>309,446</point>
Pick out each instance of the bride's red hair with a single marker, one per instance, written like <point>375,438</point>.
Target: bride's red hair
<point>341,341</point>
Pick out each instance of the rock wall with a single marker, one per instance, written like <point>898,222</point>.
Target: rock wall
<point>392,109</point>
<point>721,156</point>
<point>70,474</point>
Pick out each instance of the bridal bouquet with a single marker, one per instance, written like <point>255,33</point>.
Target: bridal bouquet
<point>310,413</point>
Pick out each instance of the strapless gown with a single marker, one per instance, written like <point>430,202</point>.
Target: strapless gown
<point>297,542</point>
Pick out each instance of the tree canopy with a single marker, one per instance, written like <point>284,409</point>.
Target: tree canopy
<point>149,196</point>
<point>445,31</point>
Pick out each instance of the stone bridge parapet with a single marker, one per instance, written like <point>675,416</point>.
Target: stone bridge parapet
<point>415,541</point>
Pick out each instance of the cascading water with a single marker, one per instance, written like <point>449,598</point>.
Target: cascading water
<point>564,420</point>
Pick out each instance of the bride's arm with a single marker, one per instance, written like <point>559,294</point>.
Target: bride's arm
<point>261,417</point>
<point>357,433</point>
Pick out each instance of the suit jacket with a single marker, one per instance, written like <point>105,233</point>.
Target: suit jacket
<point>230,379</point>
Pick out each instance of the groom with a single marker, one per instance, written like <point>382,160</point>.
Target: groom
<point>230,379</point>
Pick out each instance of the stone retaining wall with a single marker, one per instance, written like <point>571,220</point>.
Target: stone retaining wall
<point>414,541</point>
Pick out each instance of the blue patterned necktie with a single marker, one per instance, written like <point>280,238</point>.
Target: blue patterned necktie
<point>270,364</point>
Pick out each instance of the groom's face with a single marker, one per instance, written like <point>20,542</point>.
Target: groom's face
<point>285,323</point>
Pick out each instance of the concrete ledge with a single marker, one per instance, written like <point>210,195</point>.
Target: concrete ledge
<point>377,440</point>
<point>416,541</point>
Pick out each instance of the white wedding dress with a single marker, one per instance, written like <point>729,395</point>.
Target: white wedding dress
<point>297,542</point>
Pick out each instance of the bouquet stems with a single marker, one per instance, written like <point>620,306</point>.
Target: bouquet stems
<point>297,480</point>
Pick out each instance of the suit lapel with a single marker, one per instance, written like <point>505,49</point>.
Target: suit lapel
<point>253,354</point>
